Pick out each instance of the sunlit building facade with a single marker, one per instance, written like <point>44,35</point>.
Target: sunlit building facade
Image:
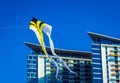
<point>39,70</point>
<point>105,58</point>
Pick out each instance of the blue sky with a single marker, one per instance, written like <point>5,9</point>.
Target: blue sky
<point>71,19</point>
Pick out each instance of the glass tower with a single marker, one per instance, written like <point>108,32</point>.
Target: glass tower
<point>105,58</point>
<point>40,70</point>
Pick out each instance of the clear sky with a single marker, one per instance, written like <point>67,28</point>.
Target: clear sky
<point>71,19</point>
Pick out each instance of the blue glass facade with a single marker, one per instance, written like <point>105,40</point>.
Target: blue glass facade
<point>32,69</point>
<point>96,63</point>
<point>80,62</point>
<point>105,58</point>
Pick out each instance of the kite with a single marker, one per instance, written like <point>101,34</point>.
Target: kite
<point>39,27</point>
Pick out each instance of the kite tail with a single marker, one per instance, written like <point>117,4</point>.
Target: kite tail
<point>64,63</point>
<point>54,63</point>
<point>61,60</point>
<point>48,32</point>
<point>52,46</point>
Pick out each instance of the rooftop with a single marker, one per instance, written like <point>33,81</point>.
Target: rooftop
<point>96,35</point>
<point>37,48</point>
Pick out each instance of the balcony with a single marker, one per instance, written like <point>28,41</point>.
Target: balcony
<point>113,54</point>
<point>115,79</point>
<point>113,59</point>
<point>114,74</point>
<point>113,65</point>
<point>114,69</point>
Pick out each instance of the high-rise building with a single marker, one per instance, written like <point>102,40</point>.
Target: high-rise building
<point>105,58</point>
<point>40,70</point>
